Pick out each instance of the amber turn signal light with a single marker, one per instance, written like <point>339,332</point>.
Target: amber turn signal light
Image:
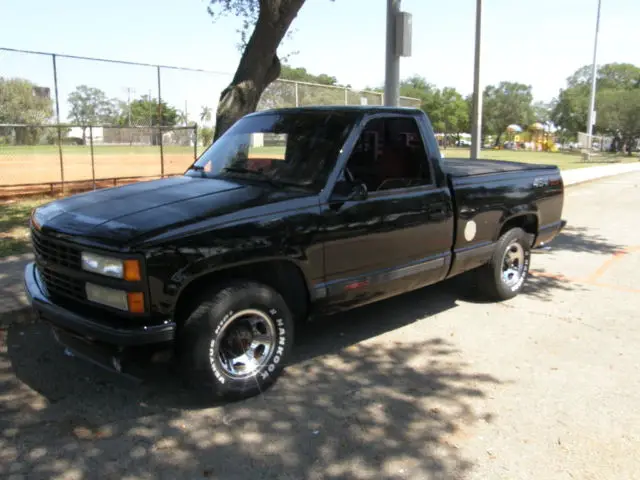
<point>135,301</point>
<point>132,271</point>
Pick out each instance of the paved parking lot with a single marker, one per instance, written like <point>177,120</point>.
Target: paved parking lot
<point>433,384</point>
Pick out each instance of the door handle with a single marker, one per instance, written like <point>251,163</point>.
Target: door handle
<point>466,209</point>
<point>437,213</point>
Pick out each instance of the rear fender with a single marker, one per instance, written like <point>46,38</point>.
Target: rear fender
<point>522,216</point>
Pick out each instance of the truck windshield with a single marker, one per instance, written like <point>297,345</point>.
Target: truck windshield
<point>282,148</point>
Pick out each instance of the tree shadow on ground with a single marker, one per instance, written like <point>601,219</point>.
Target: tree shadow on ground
<point>13,303</point>
<point>542,285</point>
<point>343,409</point>
<point>578,239</point>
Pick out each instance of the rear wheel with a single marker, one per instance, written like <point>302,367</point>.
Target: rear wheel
<point>504,276</point>
<point>237,340</point>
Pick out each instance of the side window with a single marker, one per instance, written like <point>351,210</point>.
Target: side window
<point>390,154</point>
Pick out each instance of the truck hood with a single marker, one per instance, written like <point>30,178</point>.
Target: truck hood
<point>119,216</point>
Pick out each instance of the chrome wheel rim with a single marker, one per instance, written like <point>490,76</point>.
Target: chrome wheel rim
<point>245,343</point>
<point>513,264</point>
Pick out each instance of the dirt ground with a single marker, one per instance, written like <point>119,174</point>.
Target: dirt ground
<point>35,169</point>
<point>435,384</point>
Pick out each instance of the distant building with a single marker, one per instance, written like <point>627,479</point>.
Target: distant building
<point>42,92</point>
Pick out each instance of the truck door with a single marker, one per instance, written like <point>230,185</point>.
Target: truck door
<point>388,225</point>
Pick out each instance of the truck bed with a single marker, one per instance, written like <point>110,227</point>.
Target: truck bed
<point>485,192</point>
<point>464,167</point>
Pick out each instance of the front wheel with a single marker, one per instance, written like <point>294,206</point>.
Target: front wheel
<point>237,340</point>
<point>504,276</point>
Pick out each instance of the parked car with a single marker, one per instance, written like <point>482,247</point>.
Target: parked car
<point>219,265</point>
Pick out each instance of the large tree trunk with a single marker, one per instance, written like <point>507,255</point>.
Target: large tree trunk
<point>631,141</point>
<point>259,65</point>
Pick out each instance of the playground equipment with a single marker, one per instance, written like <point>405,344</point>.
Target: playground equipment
<point>542,138</point>
<point>537,137</point>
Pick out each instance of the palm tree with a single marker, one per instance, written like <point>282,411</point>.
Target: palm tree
<point>205,114</point>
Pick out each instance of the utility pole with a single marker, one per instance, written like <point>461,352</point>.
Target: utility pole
<point>592,102</point>
<point>129,103</point>
<point>398,45</point>
<point>128,132</point>
<point>392,64</point>
<point>476,120</point>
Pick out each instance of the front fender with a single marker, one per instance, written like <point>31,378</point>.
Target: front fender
<point>183,267</point>
<point>201,269</point>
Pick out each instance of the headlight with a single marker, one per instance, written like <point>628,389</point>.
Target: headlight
<point>128,301</point>
<point>107,296</point>
<point>111,267</point>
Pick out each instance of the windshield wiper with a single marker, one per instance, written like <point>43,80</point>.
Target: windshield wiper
<point>242,170</point>
<point>261,174</point>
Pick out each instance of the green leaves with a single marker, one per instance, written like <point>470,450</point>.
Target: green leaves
<point>19,104</point>
<point>145,111</point>
<point>205,114</point>
<point>90,106</point>
<point>505,104</point>
<point>617,91</point>
<point>619,113</point>
<point>301,75</point>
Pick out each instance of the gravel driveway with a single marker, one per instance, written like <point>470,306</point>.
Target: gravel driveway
<point>433,384</point>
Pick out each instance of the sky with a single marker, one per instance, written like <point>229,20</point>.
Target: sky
<point>539,43</point>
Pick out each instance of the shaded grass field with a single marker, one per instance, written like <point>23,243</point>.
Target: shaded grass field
<point>14,225</point>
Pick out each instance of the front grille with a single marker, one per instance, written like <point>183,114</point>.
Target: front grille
<point>51,254</point>
<point>54,252</point>
<point>61,284</point>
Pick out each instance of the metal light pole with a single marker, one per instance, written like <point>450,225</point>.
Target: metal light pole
<point>592,102</point>
<point>392,66</point>
<point>476,120</point>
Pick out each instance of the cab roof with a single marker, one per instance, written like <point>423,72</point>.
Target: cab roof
<point>361,109</point>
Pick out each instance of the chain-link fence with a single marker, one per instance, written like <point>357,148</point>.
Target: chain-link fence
<point>289,93</point>
<point>46,157</point>
<point>144,118</point>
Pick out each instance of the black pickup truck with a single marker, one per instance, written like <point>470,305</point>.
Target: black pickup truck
<point>291,215</point>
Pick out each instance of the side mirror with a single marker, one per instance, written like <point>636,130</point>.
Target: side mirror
<point>359,191</point>
<point>349,192</point>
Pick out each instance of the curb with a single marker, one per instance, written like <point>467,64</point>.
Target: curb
<point>632,168</point>
<point>591,180</point>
